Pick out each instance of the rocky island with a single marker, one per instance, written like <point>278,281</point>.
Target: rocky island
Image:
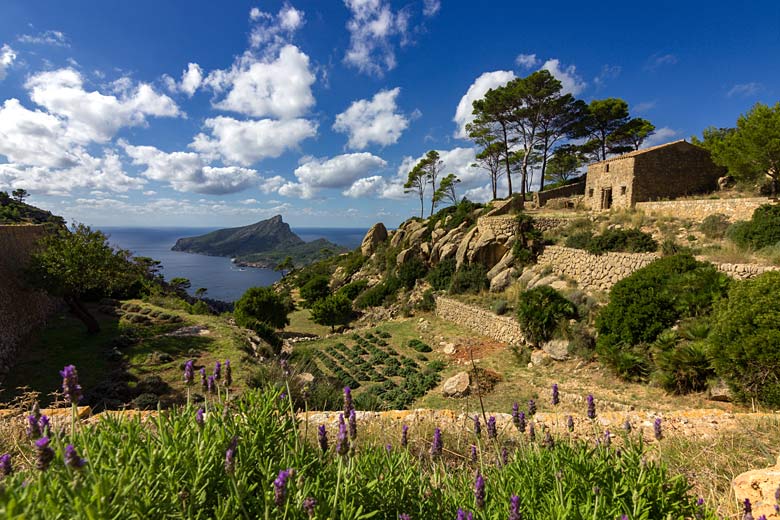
<point>262,244</point>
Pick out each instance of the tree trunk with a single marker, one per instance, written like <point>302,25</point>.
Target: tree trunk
<point>81,312</point>
<point>544,167</point>
<point>494,183</point>
<point>422,206</point>
<point>506,158</point>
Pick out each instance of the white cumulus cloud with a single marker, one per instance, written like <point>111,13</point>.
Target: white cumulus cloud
<point>372,28</point>
<point>7,58</point>
<point>572,83</point>
<point>340,171</point>
<point>526,61</point>
<point>372,121</point>
<point>477,90</point>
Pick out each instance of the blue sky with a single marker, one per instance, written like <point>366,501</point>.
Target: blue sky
<point>204,113</point>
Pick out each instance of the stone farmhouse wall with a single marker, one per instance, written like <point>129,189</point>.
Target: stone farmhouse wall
<point>21,310</point>
<point>541,198</point>
<point>481,321</point>
<point>666,171</point>
<point>698,210</point>
<point>502,225</point>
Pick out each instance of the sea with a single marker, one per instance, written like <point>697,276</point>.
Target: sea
<point>222,279</point>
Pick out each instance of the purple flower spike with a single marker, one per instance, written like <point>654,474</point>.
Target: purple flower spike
<point>748,508</point>
<point>44,425</point>
<point>657,429</point>
<point>280,486</point>
<point>6,470</point>
<point>70,384</point>
<point>348,406</point>
<point>607,438</point>
<point>437,445</point>
<point>342,440</point>
<point>33,428</point>
<point>516,415</point>
<point>189,372</point>
<point>404,436</point>
<point>389,448</point>
<point>479,491</point>
<point>491,427</point>
<point>627,426</point>
<point>514,508</point>
<point>203,381</point>
<point>531,407</point>
<point>72,458</point>
<point>548,442</point>
<point>464,515</point>
<point>570,423</point>
<point>352,425</point>
<point>531,432</point>
<point>473,453</point>
<point>211,384</point>
<point>404,516</point>
<point>199,418</point>
<point>322,438</point>
<point>44,454</point>
<point>555,397</point>
<point>228,373</point>
<point>521,422</point>
<point>504,456</point>
<point>309,504</point>
<point>477,426</point>
<point>217,370</point>
<point>230,456</point>
<point>591,407</point>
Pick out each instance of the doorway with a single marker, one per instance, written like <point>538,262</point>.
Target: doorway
<point>606,198</point>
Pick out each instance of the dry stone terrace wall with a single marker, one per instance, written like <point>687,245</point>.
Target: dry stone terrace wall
<point>541,198</point>
<point>21,310</point>
<point>744,271</point>
<point>481,321</point>
<point>504,225</point>
<point>698,210</point>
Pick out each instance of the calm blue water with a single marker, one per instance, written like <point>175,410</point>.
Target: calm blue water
<point>223,280</point>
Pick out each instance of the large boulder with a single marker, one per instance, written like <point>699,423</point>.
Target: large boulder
<point>463,247</point>
<point>457,386</point>
<point>375,236</point>
<point>557,349</point>
<point>759,486</point>
<point>406,255</point>
<point>503,280</point>
<point>503,264</point>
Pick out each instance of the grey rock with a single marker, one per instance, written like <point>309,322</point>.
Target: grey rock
<point>457,386</point>
<point>557,349</point>
<point>375,236</point>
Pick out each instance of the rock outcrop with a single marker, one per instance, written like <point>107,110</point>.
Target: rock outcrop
<point>457,386</point>
<point>759,486</point>
<point>375,236</point>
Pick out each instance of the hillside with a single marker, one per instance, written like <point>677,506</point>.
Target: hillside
<point>262,244</point>
<point>14,212</point>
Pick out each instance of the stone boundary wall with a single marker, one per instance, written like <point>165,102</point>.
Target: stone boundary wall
<point>502,225</point>
<point>698,210</point>
<point>744,271</point>
<point>21,310</point>
<point>481,321</point>
<point>570,190</point>
<point>549,223</point>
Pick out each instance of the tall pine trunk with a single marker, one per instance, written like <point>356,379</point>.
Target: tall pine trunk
<point>80,311</point>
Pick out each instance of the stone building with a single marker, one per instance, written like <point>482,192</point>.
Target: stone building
<point>665,171</point>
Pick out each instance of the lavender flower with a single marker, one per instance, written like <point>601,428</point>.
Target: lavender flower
<point>389,448</point>
<point>570,423</point>
<point>342,441</point>
<point>491,427</point>
<point>627,426</point>
<point>217,370</point>
<point>516,416</point>
<point>230,456</point>
<point>473,453</point>
<point>285,367</point>
<point>280,486</point>
<point>33,428</point>
<point>548,442</point>
<point>555,396</point>
<point>199,417</point>
<point>404,516</point>
<point>322,437</point>
<point>352,425</point>
<point>531,407</point>
<point>44,424</point>
<point>607,438</point>
<point>521,422</point>
<point>404,436</point>
<point>348,406</point>
<point>203,382</point>
<point>477,426</point>
<point>45,454</point>
<point>479,491</point>
<point>591,407</point>
<point>748,508</point>
<point>189,372</point>
<point>657,429</point>
<point>514,508</point>
<point>437,445</point>
<point>464,515</point>
<point>504,456</point>
<point>228,373</point>
<point>309,503</point>
<point>531,432</point>
<point>72,458</point>
<point>70,384</point>
<point>5,465</point>
<point>210,384</point>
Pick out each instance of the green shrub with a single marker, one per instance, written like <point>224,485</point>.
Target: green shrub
<point>499,307</point>
<point>352,290</point>
<point>379,294</point>
<point>579,240</point>
<point>410,271</point>
<point>541,310</point>
<point>440,276</point>
<point>763,230</point>
<point>266,333</point>
<point>315,289</point>
<point>419,346</point>
<point>745,339</point>
<point>714,226</point>
<point>623,240</point>
<point>262,304</point>
<point>332,310</point>
<point>199,307</point>
<point>470,278</point>
<point>428,301</point>
<point>649,301</point>
<point>528,241</point>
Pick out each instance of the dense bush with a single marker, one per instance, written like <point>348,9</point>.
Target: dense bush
<point>460,213</point>
<point>613,240</point>
<point>745,339</point>
<point>579,240</point>
<point>379,294</point>
<point>419,346</point>
<point>410,271</point>
<point>262,304</point>
<point>681,358</point>
<point>353,289</point>
<point>332,310</point>
<point>528,241</point>
<point>471,278</point>
<point>540,310</point>
<point>440,276</point>
<point>315,289</point>
<point>266,333</point>
<point>763,230</point>
<point>427,302</point>
<point>649,301</point>
<point>714,226</point>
